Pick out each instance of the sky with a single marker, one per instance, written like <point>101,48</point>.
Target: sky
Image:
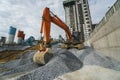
<point>26,15</point>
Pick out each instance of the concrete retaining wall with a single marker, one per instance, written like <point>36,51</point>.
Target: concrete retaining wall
<point>107,38</point>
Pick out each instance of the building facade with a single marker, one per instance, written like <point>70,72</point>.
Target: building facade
<point>77,17</point>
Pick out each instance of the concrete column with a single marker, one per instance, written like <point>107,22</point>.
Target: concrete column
<point>75,16</point>
<point>67,16</point>
<point>78,21</point>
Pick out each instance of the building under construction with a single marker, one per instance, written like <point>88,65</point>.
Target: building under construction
<point>77,17</point>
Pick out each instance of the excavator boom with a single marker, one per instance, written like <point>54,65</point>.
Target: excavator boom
<point>48,18</point>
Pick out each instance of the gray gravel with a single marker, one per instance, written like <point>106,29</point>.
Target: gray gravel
<point>91,57</point>
<point>24,59</point>
<point>63,61</point>
<point>25,63</point>
<point>60,64</point>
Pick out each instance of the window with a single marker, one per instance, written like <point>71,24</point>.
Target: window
<point>87,22</point>
<point>86,11</point>
<point>85,8</point>
<point>86,15</point>
<point>88,26</point>
<point>84,1</point>
<point>89,30</point>
<point>87,18</point>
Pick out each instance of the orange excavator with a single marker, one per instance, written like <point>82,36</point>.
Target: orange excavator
<point>44,53</point>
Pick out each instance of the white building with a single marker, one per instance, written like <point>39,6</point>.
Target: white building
<point>77,17</point>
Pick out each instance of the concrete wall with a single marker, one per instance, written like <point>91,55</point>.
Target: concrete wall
<point>106,39</point>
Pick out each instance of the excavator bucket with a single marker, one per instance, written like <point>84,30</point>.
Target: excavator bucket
<point>42,57</point>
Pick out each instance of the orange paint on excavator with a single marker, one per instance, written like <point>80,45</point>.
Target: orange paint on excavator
<point>48,18</point>
<point>44,53</point>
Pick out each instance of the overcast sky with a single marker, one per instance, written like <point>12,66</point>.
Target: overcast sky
<point>26,14</point>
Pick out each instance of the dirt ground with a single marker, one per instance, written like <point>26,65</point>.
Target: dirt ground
<point>9,55</point>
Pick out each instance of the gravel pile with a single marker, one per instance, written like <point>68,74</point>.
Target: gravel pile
<point>63,61</point>
<point>91,57</point>
<point>25,63</point>
<point>60,64</point>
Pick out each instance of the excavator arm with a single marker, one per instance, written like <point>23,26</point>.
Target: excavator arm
<point>48,18</point>
<point>43,55</point>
